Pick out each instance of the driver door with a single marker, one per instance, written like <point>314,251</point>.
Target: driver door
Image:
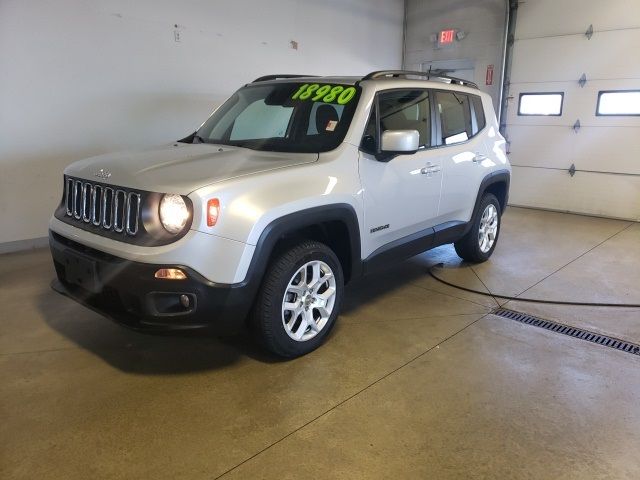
<point>401,195</point>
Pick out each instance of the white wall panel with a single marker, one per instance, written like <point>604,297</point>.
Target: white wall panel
<point>589,149</point>
<point>539,18</point>
<point>614,196</point>
<point>608,55</point>
<point>83,77</point>
<point>541,146</point>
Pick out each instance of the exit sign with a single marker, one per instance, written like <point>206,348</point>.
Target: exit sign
<point>446,37</point>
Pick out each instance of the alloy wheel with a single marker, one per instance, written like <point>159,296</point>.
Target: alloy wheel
<point>488,228</point>
<point>308,300</point>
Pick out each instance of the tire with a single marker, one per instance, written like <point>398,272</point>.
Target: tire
<point>285,328</point>
<point>471,247</point>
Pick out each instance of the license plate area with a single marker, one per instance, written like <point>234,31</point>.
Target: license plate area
<point>82,271</point>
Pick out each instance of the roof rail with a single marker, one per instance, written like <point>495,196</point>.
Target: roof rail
<point>266,78</point>
<point>435,74</point>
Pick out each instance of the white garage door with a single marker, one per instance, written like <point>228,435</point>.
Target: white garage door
<point>550,54</point>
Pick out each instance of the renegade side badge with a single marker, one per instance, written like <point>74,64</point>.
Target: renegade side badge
<point>377,229</point>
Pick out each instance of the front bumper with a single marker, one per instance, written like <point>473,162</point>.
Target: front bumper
<point>128,292</point>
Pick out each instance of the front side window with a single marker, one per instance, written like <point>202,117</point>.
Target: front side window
<point>399,110</point>
<point>455,117</point>
<point>406,110</point>
<point>621,102</point>
<point>283,117</point>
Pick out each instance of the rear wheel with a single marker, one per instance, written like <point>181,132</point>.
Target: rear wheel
<point>480,241</point>
<point>299,300</point>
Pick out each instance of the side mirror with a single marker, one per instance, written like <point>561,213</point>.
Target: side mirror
<point>396,142</point>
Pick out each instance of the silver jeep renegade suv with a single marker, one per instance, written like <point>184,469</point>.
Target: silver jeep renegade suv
<point>293,187</point>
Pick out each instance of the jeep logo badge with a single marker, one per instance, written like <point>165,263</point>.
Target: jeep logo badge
<point>102,173</point>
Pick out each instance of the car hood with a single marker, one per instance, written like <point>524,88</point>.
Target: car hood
<point>181,167</point>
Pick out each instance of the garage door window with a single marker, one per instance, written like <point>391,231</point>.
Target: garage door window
<point>455,117</point>
<point>541,104</point>
<point>621,102</point>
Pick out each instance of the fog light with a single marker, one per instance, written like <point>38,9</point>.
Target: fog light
<point>170,274</point>
<point>185,301</point>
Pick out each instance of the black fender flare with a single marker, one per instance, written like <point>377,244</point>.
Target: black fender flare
<point>499,176</point>
<point>278,228</point>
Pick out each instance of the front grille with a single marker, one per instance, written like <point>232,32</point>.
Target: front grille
<point>110,208</point>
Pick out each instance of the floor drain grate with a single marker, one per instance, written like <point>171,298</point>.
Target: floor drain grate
<point>580,333</point>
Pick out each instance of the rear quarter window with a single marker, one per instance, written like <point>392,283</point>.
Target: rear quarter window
<point>481,121</point>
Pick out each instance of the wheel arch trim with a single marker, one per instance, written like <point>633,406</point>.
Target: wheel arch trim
<point>295,221</point>
<point>499,176</point>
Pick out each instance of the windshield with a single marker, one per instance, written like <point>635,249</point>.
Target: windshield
<point>283,117</point>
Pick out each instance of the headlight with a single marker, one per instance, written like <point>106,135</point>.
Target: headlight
<point>173,213</point>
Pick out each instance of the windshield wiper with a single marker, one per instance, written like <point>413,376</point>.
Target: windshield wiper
<point>198,138</point>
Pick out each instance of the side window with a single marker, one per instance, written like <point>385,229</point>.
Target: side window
<point>406,110</point>
<point>478,109</point>
<point>455,117</point>
<point>260,120</point>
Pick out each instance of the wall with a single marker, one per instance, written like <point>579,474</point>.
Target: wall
<point>80,78</point>
<point>483,22</point>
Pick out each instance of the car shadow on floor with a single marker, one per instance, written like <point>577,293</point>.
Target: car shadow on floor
<point>194,351</point>
<point>397,276</point>
<point>144,353</point>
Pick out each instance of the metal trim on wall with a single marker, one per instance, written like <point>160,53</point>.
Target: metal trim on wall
<point>512,9</point>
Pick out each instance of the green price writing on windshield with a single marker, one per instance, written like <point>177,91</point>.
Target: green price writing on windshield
<point>326,93</point>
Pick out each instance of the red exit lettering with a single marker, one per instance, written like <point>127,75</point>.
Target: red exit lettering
<point>447,36</point>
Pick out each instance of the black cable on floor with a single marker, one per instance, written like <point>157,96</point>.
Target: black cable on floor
<point>528,300</point>
<point>485,287</point>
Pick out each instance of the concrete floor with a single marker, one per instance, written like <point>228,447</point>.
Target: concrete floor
<point>418,379</point>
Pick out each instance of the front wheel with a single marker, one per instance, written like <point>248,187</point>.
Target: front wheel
<point>480,241</point>
<point>299,300</point>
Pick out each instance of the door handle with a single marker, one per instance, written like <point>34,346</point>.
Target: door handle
<point>479,157</point>
<point>429,169</point>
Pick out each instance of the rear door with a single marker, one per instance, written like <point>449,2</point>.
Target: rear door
<point>402,195</point>
<point>460,119</point>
